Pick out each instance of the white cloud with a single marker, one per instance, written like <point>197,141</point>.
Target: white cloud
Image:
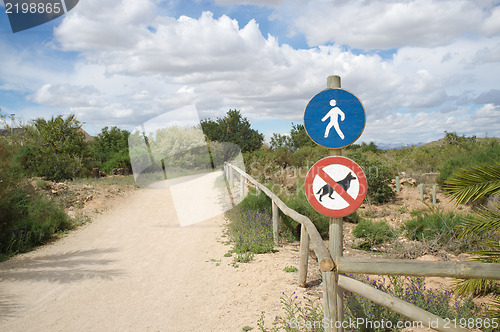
<point>65,95</point>
<point>100,25</point>
<point>386,24</point>
<point>425,127</point>
<point>268,3</point>
<point>491,25</point>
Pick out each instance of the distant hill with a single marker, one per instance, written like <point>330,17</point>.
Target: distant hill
<point>442,141</point>
<point>439,142</point>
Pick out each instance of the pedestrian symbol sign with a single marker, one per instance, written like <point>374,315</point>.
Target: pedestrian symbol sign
<point>335,186</point>
<point>335,109</point>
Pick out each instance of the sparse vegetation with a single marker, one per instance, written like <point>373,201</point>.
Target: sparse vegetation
<point>250,229</point>
<point>437,229</point>
<point>306,314</point>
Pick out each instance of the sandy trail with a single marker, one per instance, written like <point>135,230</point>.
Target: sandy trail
<point>134,268</point>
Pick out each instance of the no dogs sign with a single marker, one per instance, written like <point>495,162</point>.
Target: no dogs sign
<point>335,186</point>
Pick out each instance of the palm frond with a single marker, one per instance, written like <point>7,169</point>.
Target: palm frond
<point>476,287</point>
<point>495,311</point>
<point>474,183</point>
<point>482,221</point>
<point>491,255</point>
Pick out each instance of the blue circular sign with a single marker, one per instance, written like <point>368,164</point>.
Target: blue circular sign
<point>334,118</point>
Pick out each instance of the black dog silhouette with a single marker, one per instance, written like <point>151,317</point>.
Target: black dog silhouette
<point>345,183</point>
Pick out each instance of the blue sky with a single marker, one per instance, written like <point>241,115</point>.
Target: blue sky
<point>419,67</point>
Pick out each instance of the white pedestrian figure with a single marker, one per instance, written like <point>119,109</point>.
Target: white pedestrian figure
<point>334,119</point>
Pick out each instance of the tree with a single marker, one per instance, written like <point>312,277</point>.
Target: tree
<point>299,137</point>
<point>280,141</point>
<point>110,148</point>
<point>55,149</point>
<point>471,185</point>
<point>233,128</point>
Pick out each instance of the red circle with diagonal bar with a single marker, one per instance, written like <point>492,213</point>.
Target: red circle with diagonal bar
<point>341,183</point>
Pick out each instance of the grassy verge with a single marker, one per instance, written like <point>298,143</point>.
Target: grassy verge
<point>250,227</point>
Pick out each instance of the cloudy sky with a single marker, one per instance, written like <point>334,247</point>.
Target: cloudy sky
<point>419,67</point>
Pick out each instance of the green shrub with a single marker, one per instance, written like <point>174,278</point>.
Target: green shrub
<point>299,203</point>
<point>431,225</point>
<point>110,149</point>
<point>55,149</point>
<point>438,229</point>
<point>378,176</point>
<point>308,155</point>
<point>353,218</point>
<point>27,219</point>
<point>373,233</point>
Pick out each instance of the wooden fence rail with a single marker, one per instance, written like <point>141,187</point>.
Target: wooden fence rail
<point>324,259</point>
<point>397,305</point>
<point>334,283</point>
<point>466,270</point>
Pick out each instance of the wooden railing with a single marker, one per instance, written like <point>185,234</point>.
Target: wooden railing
<point>332,268</point>
<point>324,259</point>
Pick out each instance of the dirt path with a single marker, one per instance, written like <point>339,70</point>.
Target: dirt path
<point>134,268</point>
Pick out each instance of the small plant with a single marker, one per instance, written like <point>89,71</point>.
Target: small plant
<point>42,184</point>
<point>290,269</point>
<point>216,261</point>
<point>243,258</point>
<point>403,209</point>
<point>299,315</point>
<point>373,233</point>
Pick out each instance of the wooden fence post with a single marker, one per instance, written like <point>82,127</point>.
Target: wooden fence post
<point>231,177</point>
<point>330,300</point>
<point>397,184</point>
<point>434,189</point>
<point>242,183</point>
<point>276,218</point>
<point>304,256</point>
